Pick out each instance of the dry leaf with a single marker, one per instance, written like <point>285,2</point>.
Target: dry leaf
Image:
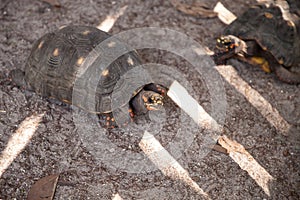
<point>196,9</point>
<point>44,188</point>
<point>52,2</point>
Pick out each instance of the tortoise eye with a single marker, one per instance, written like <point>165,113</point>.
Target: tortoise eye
<point>224,41</point>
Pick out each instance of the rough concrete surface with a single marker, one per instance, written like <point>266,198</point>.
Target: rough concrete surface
<point>57,146</point>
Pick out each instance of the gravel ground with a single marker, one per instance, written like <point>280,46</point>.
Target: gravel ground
<point>57,146</point>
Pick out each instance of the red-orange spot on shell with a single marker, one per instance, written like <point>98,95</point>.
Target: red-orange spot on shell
<point>281,61</point>
<point>80,61</point>
<point>56,52</point>
<point>130,61</point>
<point>86,32</point>
<point>268,15</point>
<point>290,23</point>
<point>66,101</point>
<point>264,48</point>
<point>105,72</point>
<point>41,44</point>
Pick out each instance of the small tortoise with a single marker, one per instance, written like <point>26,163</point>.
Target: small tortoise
<point>57,58</point>
<point>265,36</point>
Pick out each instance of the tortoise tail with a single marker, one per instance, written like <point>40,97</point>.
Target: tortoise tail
<point>287,76</point>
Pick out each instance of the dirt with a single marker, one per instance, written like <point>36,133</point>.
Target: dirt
<point>59,147</point>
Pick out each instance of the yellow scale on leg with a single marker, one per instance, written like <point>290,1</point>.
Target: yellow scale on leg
<point>262,62</point>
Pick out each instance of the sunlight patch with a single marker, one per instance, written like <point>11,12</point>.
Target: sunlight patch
<point>257,100</point>
<point>164,161</point>
<point>187,103</point>
<point>224,14</point>
<point>110,20</point>
<point>116,197</point>
<point>246,162</point>
<point>19,140</point>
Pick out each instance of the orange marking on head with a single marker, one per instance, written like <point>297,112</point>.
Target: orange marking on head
<point>111,44</point>
<point>150,108</point>
<point>233,45</point>
<point>145,99</point>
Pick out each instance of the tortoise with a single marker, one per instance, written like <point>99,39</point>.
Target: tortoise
<point>56,60</point>
<point>267,36</point>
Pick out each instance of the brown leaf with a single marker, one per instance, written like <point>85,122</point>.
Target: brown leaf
<point>220,149</point>
<point>44,188</point>
<point>52,2</point>
<point>196,9</point>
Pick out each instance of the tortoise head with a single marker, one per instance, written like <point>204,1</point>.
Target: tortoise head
<point>146,100</point>
<point>231,44</point>
<point>152,100</point>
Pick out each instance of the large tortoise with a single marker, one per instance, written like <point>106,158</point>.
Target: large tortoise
<point>57,58</point>
<point>268,36</point>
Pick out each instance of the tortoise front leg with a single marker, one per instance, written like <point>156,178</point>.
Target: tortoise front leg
<point>220,58</point>
<point>286,75</point>
<point>256,61</point>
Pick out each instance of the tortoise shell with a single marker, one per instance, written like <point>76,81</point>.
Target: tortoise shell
<point>274,28</point>
<point>57,58</point>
